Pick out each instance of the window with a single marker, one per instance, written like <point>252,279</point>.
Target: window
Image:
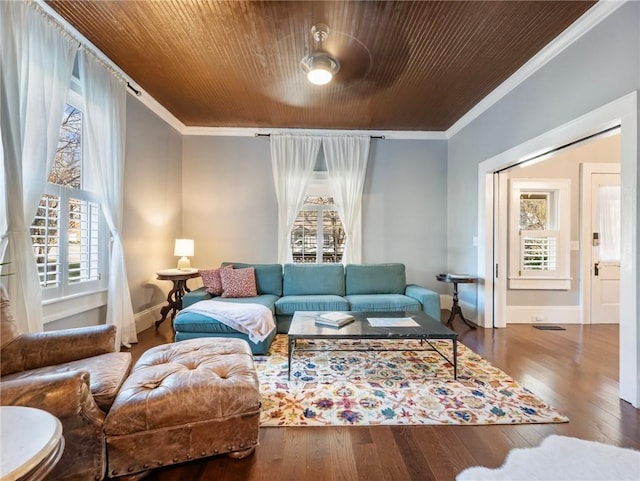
<point>69,233</point>
<point>539,234</point>
<point>317,235</point>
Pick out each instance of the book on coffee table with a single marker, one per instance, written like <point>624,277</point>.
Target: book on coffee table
<point>334,319</point>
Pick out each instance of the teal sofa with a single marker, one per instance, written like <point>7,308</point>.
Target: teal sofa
<point>288,288</point>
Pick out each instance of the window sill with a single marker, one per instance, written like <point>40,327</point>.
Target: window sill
<point>56,309</point>
<point>540,283</point>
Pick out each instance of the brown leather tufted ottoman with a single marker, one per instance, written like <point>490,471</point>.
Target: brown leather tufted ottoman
<point>184,401</point>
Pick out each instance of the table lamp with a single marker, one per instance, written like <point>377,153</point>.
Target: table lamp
<point>184,248</point>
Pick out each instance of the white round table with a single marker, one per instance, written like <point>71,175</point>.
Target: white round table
<point>31,441</point>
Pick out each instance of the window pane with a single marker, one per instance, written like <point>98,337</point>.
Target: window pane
<point>304,239</point>
<point>332,237</point>
<point>539,253</point>
<point>608,214</point>
<point>45,236</point>
<point>68,234</point>
<point>533,211</point>
<point>83,240</point>
<point>318,200</point>
<point>311,242</point>
<point>66,168</point>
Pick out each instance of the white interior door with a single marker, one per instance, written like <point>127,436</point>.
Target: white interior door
<point>605,248</point>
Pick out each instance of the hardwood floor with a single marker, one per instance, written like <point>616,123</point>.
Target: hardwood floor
<point>575,370</point>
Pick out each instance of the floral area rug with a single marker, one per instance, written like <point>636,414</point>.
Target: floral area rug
<point>357,383</point>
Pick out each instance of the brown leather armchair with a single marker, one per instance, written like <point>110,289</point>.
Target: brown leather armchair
<point>75,375</point>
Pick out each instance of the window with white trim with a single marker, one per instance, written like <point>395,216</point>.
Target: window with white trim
<point>539,234</point>
<point>69,233</point>
<point>317,235</point>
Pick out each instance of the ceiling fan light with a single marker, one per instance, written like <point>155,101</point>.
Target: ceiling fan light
<point>320,68</point>
<point>319,76</point>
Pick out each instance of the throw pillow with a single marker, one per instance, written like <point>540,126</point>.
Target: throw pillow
<point>239,282</point>
<point>212,280</point>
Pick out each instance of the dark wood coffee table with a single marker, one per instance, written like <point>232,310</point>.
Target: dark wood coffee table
<point>429,329</point>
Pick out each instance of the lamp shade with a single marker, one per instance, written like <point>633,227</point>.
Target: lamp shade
<point>184,248</point>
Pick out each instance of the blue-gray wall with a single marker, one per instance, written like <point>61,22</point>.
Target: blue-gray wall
<point>404,207</point>
<point>229,201</point>
<point>152,203</point>
<point>230,207</point>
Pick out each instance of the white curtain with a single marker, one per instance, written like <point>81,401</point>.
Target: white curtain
<point>347,166</point>
<point>293,158</point>
<point>105,117</point>
<point>609,224</point>
<point>36,61</point>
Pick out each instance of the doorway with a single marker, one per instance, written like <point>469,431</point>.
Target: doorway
<point>566,291</point>
<point>624,113</point>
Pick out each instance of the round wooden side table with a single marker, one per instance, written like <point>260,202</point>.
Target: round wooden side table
<point>456,279</point>
<point>179,277</point>
<point>32,443</point>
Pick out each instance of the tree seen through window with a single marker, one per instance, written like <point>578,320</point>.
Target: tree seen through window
<point>65,231</point>
<point>317,234</point>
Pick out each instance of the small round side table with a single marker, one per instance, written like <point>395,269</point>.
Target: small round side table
<point>179,277</point>
<point>456,279</point>
<point>32,443</point>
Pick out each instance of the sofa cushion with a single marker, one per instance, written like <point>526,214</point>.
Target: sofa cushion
<point>267,300</point>
<point>191,325</point>
<point>375,278</point>
<point>313,279</point>
<point>212,280</point>
<point>291,304</point>
<point>383,302</point>
<point>238,282</point>
<point>268,276</point>
<point>183,322</point>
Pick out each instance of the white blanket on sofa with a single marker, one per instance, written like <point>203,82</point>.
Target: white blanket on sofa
<point>254,320</point>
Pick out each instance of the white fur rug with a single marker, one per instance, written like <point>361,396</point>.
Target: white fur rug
<point>561,458</point>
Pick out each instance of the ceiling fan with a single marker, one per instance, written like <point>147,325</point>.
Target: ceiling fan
<point>333,52</point>
<point>324,66</point>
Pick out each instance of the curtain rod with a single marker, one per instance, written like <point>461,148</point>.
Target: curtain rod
<point>371,136</point>
<point>135,91</point>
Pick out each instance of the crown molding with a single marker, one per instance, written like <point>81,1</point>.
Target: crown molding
<point>169,118</point>
<point>586,22</point>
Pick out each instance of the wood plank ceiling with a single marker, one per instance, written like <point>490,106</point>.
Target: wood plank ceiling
<point>415,66</point>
